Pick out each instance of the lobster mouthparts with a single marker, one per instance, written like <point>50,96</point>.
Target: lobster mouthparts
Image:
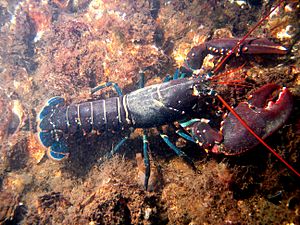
<point>264,113</point>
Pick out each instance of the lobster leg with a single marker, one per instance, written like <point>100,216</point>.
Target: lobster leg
<point>142,79</point>
<point>108,84</point>
<point>118,146</point>
<point>179,152</point>
<point>185,136</point>
<point>177,75</point>
<point>146,161</point>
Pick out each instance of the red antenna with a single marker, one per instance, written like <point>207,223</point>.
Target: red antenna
<point>232,111</point>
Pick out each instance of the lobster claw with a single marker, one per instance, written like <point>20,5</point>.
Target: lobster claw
<point>223,46</point>
<point>202,133</point>
<point>267,110</point>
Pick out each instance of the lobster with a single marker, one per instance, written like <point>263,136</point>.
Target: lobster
<point>172,101</point>
<point>161,104</point>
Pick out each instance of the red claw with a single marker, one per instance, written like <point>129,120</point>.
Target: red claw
<point>267,110</point>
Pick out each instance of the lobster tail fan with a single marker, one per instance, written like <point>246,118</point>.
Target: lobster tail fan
<point>51,103</point>
<point>58,150</point>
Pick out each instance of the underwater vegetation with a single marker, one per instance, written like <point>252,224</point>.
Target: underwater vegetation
<point>66,48</point>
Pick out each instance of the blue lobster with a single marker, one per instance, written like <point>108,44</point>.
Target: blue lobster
<point>161,104</point>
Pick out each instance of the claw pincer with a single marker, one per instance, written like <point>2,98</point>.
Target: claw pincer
<point>264,113</point>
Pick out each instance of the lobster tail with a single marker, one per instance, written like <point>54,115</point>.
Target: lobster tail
<point>50,137</point>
